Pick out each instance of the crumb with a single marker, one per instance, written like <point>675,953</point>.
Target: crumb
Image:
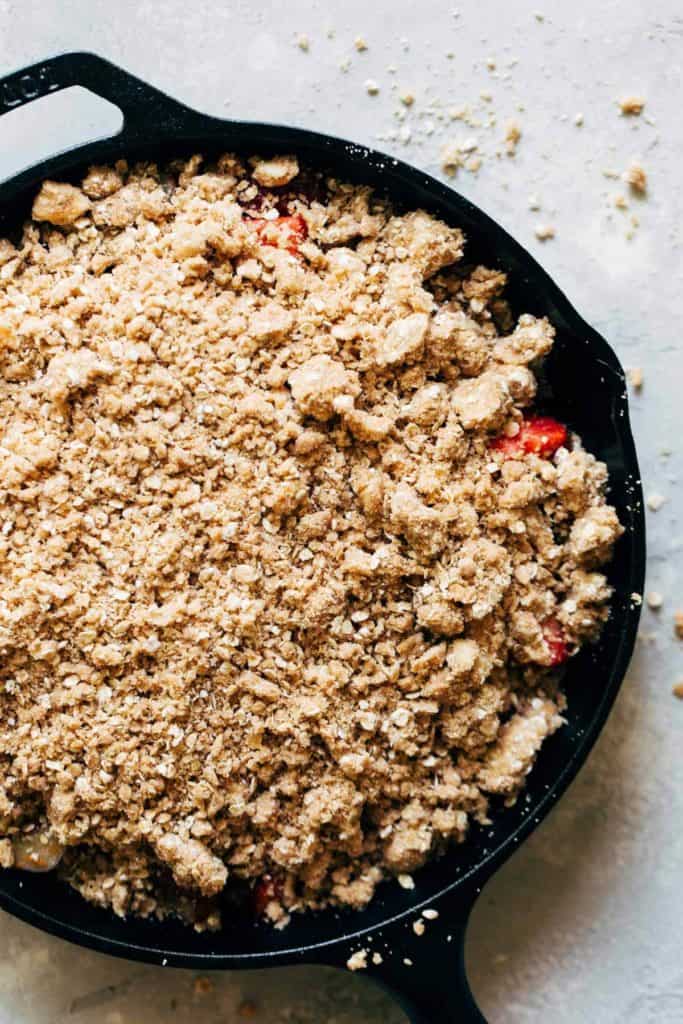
<point>513,134</point>
<point>473,164</point>
<point>534,202</point>
<point>655,600</point>
<point>636,177</point>
<point>358,961</point>
<point>377,959</point>
<point>677,690</point>
<point>632,105</point>
<point>303,42</point>
<point>539,16</point>
<point>655,501</point>
<point>635,377</point>
<point>544,232</point>
<point>345,64</point>
<point>407,99</point>
<point>430,915</point>
<point>578,120</point>
<point>371,86</point>
<point>637,598</point>
<point>407,961</point>
<point>247,1009</point>
<point>620,201</point>
<point>419,927</point>
<point>678,624</point>
<point>406,881</point>
<point>491,64</point>
<point>360,44</point>
<point>610,173</point>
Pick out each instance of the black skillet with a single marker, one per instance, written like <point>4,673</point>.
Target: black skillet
<point>586,389</point>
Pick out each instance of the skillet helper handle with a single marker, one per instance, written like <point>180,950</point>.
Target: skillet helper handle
<point>426,972</point>
<point>144,108</point>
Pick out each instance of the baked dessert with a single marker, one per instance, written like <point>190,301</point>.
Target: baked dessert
<point>290,559</point>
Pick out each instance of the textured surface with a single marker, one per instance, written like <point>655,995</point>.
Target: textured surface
<point>583,924</point>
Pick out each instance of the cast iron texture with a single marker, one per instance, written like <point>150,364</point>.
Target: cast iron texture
<point>585,387</point>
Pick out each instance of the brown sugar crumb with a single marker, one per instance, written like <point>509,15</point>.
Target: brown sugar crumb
<point>636,177</point>
<point>631,105</point>
<point>513,134</point>
<point>289,564</point>
<point>635,377</point>
<point>678,624</point>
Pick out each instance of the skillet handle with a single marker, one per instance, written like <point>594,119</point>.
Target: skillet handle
<point>432,987</point>
<point>144,108</point>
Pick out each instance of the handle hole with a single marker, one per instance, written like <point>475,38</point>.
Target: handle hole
<point>53,124</point>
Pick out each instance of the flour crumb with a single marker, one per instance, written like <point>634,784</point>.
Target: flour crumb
<point>358,961</point>
<point>544,232</point>
<point>655,502</point>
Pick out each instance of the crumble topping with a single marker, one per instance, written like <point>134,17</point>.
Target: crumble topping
<point>288,560</point>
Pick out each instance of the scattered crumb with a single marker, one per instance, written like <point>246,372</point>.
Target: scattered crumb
<point>202,986</point>
<point>419,927</point>
<point>247,1009</point>
<point>377,959</point>
<point>678,690</point>
<point>430,915</point>
<point>360,44</point>
<point>544,232</point>
<point>407,99</point>
<point>534,202</point>
<point>655,600</point>
<point>678,624</point>
<point>358,961</point>
<point>303,42</point>
<point>491,64</point>
<point>513,134</point>
<point>371,87</point>
<point>451,158</point>
<point>620,201</point>
<point>539,16</point>
<point>578,120</point>
<point>635,377</point>
<point>407,961</point>
<point>636,598</point>
<point>636,177</point>
<point>473,164</point>
<point>632,105</point>
<point>655,502</point>
<point>345,64</point>
<point>406,881</point>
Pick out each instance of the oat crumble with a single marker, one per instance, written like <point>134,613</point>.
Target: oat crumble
<point>288,564</point>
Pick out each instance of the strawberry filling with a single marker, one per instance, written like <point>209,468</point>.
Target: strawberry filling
<point>556,642</point>
<point>266,889</point>
<point>540,435</point>
<point>283,232</point>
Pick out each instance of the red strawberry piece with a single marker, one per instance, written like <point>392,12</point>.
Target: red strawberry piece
<point>541,435</point>
<point>556,641</point>
<point>282,232</point>
<point>266,889</point>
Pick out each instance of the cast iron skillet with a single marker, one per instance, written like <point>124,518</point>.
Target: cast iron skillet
<point>585,388</point>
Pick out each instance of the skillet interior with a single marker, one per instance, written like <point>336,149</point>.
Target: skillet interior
<point>586,389</point>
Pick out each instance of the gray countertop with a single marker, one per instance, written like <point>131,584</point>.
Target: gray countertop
<point>585,923</point>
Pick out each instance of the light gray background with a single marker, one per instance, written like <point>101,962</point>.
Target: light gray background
<point>584,924</point>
